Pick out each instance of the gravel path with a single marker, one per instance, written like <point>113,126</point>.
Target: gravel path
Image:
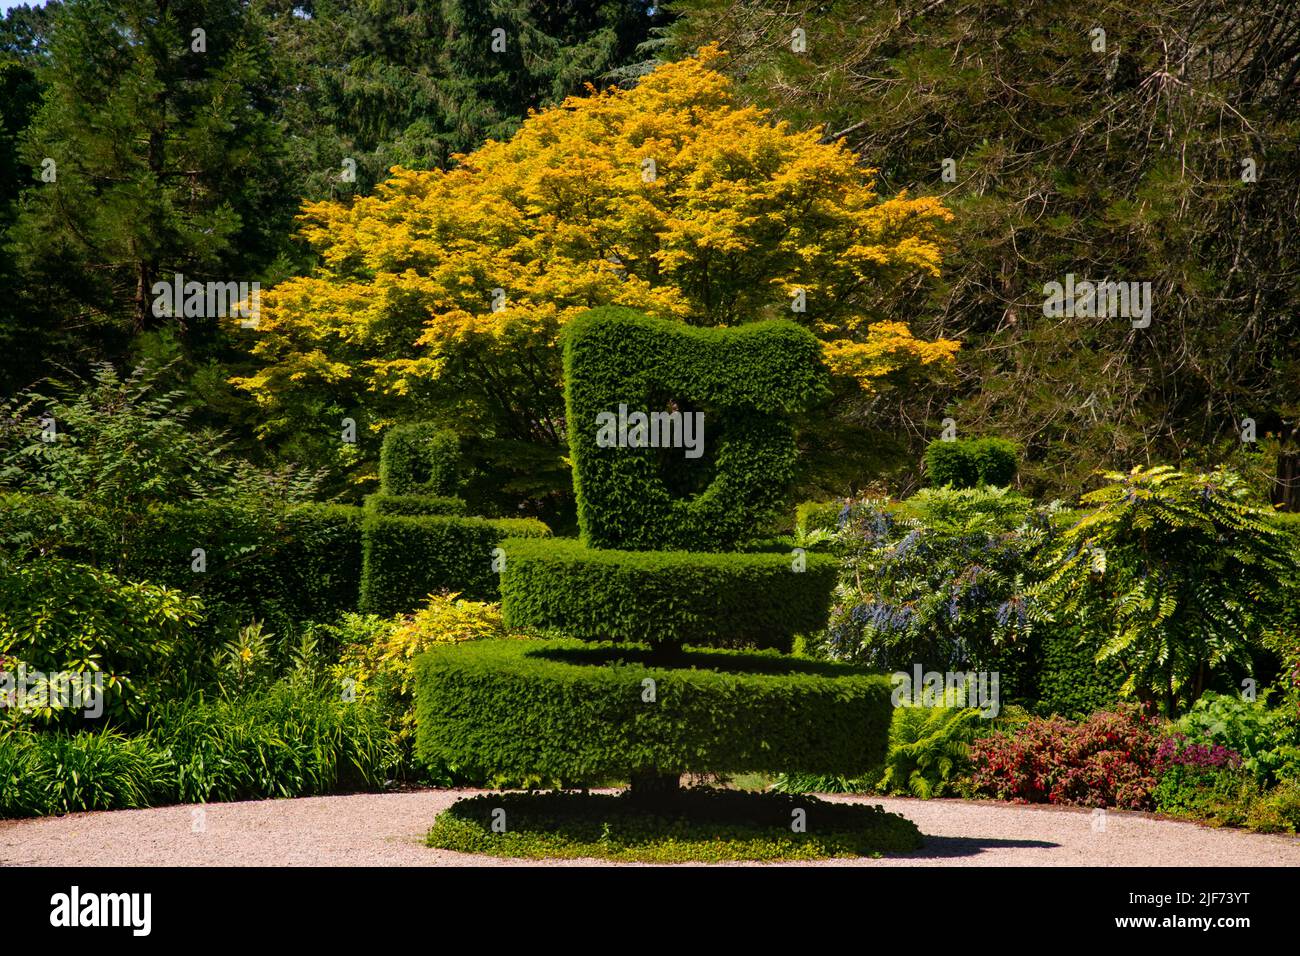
<point>388,830</point>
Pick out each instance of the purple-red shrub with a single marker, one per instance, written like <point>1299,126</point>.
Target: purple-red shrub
<point>1178,750</point>
<point>1108,760</point>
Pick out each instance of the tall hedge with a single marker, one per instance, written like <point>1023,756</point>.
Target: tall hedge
<point>747,382</point>
<point>407,557</point>
<point>302,561</point>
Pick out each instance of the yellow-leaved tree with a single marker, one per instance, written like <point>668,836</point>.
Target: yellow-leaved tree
<point>441,295</point>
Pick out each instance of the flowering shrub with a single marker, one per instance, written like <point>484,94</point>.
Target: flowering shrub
<point>1108,760</point>
<point>1179,750</point>
<point>942,583</point>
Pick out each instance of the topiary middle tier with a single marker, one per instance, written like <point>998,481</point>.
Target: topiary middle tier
<point>665,598</point>
<point>566,710</point>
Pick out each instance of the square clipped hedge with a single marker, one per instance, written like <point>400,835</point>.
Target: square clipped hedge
<point>407,557</point>
<point>415,505</point>
<point>419,459</point>
<point>968,462</point>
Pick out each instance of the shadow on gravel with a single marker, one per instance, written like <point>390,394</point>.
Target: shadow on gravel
<point>943,847</point>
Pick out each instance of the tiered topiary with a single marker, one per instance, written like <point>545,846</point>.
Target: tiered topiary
<point>638,688</point>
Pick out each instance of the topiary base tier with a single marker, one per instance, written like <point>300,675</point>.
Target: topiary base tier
<point>569,710</point>
<point>696,825</point>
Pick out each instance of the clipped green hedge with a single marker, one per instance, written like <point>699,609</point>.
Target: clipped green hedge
<point>302,561</point>
<point>1069,680</point>
<point>577,712</point>
<point>419,459</point>
<point>747,382</point>
<point>406,558</point>
<point>415,505</point>
<point>968,462</point>
<point>665,597</point>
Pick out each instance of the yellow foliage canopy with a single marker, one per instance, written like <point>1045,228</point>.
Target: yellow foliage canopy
<point>669,197</point>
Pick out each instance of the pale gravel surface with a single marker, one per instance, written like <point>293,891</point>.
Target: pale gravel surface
<point>388,830</point>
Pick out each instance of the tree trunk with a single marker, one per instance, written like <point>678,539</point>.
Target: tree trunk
<point>1286,488</point>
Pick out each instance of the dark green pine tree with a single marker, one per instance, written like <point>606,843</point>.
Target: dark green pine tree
<point>159,124</point>
<point>23,34</point>
<point>413,82</point>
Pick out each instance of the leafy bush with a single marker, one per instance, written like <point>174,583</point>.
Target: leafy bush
<point>1278,811</point>
<point>1179,572</point>
<point>929,749</point>
<point>664,597</point>
<point>380,661</point>
<point>405,559</point>
<point>1107,760</point>
<point>571,711</point>
<point>57,615</point>
<point>1201,781</point>
<point>419,459</point>
<point>943,584</point>
<point>32,525</point>
<point>746,381</point>
<point>294,740</point>
<point>415,505</point>
<point>970,462</point>
<point>1263,737</point>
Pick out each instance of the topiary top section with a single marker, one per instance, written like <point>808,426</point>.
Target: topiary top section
<point>680,436</point>
<point>419,459</point>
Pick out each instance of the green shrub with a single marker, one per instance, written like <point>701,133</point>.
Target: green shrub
<point>419,459</point>
<point>301,562</point>
<point>968,462</point>
<point>291,741</point>
<point>1277,811</point>
<point>50,773</point>
<point>578,712</point>
<point>1070,682</point>
<point>57,615</point>
<point>810,516</point>
<point>929,748</point>
<point>415,505</point>
<point>941,583</point>
<point>1182,574</point>
<point>405,559</point>
<point>701,825</point>
<point>665,597</point>
<point>48,524</point>
<point>1264,737</point>
<point>746,381</point>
